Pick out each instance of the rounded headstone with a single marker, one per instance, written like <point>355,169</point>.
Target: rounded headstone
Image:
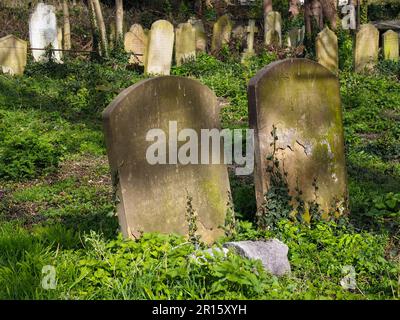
<point>154,197</point>
<point>299,99</point>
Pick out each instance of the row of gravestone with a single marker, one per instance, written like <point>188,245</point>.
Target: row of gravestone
<point>43,32</point>
<point>366,49</point>
<point>154,48</point>
<point>295,111</point>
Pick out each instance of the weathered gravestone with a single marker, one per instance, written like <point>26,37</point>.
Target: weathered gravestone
<point>43,32</point>
<point>252,30</point>
<point>201,36</point>
<point>222,31</point>
<point>153,197</point>
<point>391,45</point>
<point>160,48</point>
<point>135,42</point>
<point>295,37</point>
<point>239,35</point>
<point>297,102</point>
<point>366,48</point>
<point>327,49</point>
<point>185,43</point>
<point>273,28</point>
<point>13,55</point>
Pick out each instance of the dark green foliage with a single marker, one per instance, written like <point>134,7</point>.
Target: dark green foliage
<point>276,206</point>
<point>164,267</point>
<point>389,68</point>
<point>26,148</point>
<point>345,44</point>
<point>55,110</point>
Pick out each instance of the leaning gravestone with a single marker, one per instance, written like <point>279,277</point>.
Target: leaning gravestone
<point>201,36</point>
<point>222,31</point>
<point>391,45</point>
<point>273,28</point>
<point>297,102</point>
<point>367,48</point>
<point>160,48</point>
<point>135,42</point>
<point>43,32</point>
<point>13,55</point>
<point>153,197</point>
<point>185,43</point>
<point>327,49</point>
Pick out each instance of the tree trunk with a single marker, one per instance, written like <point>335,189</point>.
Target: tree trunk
<point>198,8</point>
<point>267,7</point>
<point>95,28</point>
<point>329,12</point>
<point>294,8</point>
<point>119,19</point>
<point>313,13</point>
<point>67,26</point>
<point>101,26</point>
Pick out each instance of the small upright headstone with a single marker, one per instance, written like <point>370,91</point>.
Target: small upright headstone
<point>154,196</point>
<point>160,48</point>
<point>239,33</point>
<point>292,38</point>
<point>201,36</point>
<point>221,33</point>
<point>302,34</point>
<point>251,29</point>
<point>13,55</point>
<point>295,110</point>
<point>273,28</point>
<point>185,43</point>
<point>391,45</point>
<point>43,32</point>
<point>327,49</point>
<point>135,42</point>
<point>295,37</point>
<point>367,48</point>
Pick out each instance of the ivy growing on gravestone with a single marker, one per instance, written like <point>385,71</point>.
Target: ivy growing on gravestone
<point>191,218</point>
<point>364,12</point>
<point>230,219</point>
<point>277,200</point>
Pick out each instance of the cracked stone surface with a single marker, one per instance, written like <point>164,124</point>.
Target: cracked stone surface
<point>301,100</point>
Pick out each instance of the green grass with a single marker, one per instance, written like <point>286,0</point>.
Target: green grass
<point>56,205</point>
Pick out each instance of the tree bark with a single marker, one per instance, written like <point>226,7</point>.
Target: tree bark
<point>198,8</point>
<point>267,7</point>
<point>329,12</point>
<point>67,26</point>
<point>119,19</point>
<point>95,28</point>
<point>101,26</point>
<point>294,8</point>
